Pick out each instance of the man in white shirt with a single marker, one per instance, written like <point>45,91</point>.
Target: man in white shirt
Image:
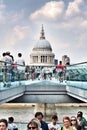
<point>20,66</point>
<point>53,125</point>
<point>20,60</point>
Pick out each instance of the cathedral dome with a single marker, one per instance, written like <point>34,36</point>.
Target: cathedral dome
<point>42,43</point>
<point>42,54</point>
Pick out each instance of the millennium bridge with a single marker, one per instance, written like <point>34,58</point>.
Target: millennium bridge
<point>15,87</point>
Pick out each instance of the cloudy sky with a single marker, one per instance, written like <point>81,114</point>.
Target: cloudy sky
<point>64,21</point>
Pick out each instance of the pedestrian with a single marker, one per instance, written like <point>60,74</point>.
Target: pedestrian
<point>39,116</point>
<point>20,66</point>
<point>83,118</point>
<point>3,124</point>
<point>27,72</point>
<point>74,123</point>
<point>80,121</point>
<point>53,125</point>
<point>66,124</point>
<point>11,124</point>
<point>34,124</point>
<point>60,70</point>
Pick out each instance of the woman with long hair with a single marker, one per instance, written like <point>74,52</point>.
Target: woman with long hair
<point>74,123</point>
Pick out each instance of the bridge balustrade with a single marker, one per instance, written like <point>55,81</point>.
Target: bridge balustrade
<point>77,72</point>
<point>13,74</point>
<point>10,73</point>
<point>76,76</point>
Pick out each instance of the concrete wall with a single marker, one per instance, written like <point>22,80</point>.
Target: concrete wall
<point>46,92</point>
<point>12,93</point>
<point>77,93</point>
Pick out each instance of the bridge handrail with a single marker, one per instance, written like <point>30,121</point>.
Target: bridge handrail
<point>11,72</point>
<point>80,63</point>
<point>77,72</point>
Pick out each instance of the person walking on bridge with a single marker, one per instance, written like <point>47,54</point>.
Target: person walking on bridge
<point>60,70</point>
<point>20,66</point>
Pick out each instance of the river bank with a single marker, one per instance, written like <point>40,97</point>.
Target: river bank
<point>22,105</point>
<point>24,112</point>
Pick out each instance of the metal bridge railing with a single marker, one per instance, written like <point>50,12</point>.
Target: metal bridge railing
<point>11,74</point>
<point>77,72</point>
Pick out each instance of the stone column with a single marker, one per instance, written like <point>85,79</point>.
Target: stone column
<point>48,110</point>
<point>48,59</point>
<point>39,58</point>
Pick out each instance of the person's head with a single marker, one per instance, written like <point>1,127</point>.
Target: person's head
<point>34,124</point>
<point>4,54</point>
<point>19,55</point>
<point>80,112</point>
<point>66,121</point>
<point>74,121</point>
<point>79,117</point>
<point>60,62</point>
<point>7,53</point>
<point>54,119</point>
<point>10,119</point>
<point>3,124</point>
<point>39,116</point>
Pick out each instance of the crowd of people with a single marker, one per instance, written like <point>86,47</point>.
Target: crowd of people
<point>37,123</point>
<point>10,65</point>
<point>8,124</point>
<point>17,66</point>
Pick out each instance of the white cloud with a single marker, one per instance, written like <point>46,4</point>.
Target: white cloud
<point>17,34</point>
<point>74,8</point>
<point>50,10</point>
<point>84,24</point>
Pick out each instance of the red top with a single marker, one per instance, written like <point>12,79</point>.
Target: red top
<point>60,67</point>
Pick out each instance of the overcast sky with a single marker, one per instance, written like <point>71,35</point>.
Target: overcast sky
<point>64,21</point>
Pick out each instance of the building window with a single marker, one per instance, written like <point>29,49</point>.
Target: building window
<point>35,59</point>
<point>43,59</point>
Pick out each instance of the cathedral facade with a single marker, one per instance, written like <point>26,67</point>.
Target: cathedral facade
<point>42,54</point>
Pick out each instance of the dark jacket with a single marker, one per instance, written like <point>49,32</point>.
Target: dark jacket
<point>44,125</point>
